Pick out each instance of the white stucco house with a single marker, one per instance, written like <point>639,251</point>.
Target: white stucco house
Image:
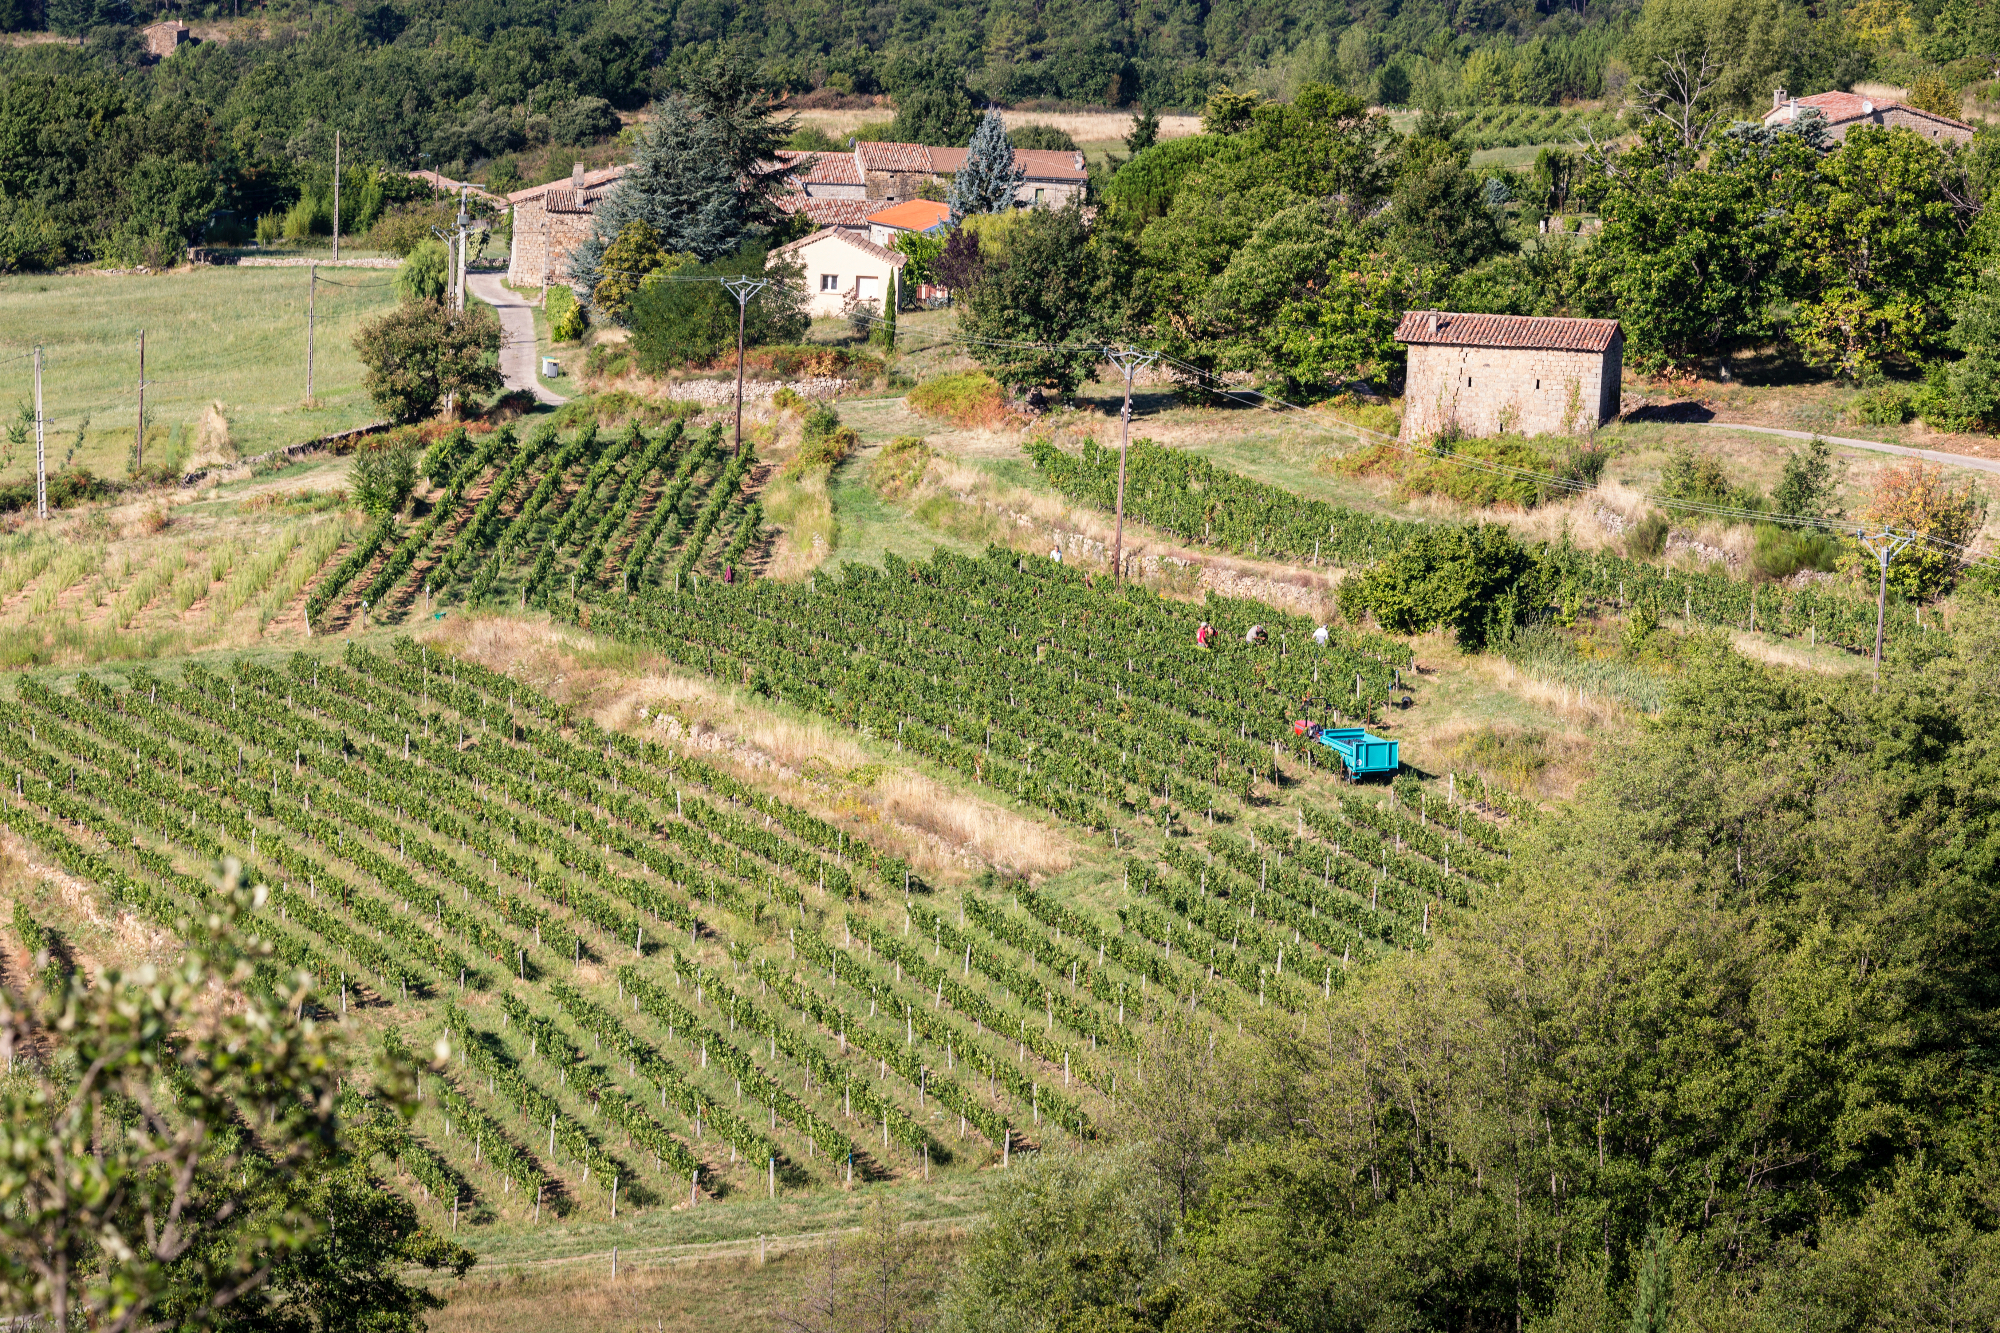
<point>842,266</point>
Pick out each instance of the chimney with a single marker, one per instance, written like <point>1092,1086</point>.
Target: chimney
<point>1777,99</point>
<point>576,177</point>
<point>1434,323</point>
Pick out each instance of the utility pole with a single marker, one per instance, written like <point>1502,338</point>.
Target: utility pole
<point>312,291</point>
<point>139,431</point>
<point>1130,361</point>
<point>41,456</point>
<point>1884,546</point>
<point>464,232</point>
<point>742,289</point>
<point>336,195</point>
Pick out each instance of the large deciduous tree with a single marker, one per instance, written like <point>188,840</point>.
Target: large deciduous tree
<point>1036,314</point>
<point>423,352</point>
<point>137,1195</point>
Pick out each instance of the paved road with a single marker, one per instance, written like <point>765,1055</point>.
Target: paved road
<point>517,335</point>
<point>1928,455</point>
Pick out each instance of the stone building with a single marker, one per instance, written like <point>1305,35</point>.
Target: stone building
<point>889,173</point>
<point>1844,111</point>
<point>163,39</point>
<point>1508,374</point>
<point>550,221</point>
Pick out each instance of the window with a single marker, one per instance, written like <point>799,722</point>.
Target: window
<point>1041,196</point>
<point>1538,385</point>
<point>868,288</point>
<point>829,282</point>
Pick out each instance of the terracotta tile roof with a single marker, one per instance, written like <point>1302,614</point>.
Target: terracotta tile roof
<point>893,157</point>
<point>915,215</point>
<point>828,212</point>
<point>591,180</point>
<point>821,168</point>
<point>1843,107</point>
<point>855,239</point>
<point>1533,331</point>
<point>1036,164</point>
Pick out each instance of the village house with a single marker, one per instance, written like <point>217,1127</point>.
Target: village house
<point>550,221</point>
<point>843,268</point>
<point>1508,374</point>
<point>1843,111</point>
<point>889,173</point>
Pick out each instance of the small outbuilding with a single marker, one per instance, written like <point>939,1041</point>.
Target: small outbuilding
<point>1508,374</point>
<point>163,39</point>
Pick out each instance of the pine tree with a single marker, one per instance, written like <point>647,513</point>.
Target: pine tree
<point>682,183</point>
<point>987,181</point>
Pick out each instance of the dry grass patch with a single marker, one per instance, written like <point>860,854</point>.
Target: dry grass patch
<point>813,763</point>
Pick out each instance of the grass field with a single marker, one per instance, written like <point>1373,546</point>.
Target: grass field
<point>226,344</point>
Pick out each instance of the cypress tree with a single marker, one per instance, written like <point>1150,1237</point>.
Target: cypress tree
<point>986,183</point>
<point>1653,1294</point>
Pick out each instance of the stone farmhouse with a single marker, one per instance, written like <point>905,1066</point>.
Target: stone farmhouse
<point>845,189</point>
<point>1844,111</point>
<point>550,221</point>
<point>890,173</point>
<point>1508,374</point>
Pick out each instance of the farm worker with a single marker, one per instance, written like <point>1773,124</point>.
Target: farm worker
<point>1320,636</point>
<point>1055,554</point>
<point>729,573</point>
<point>1204,634</point>
<point>1256,635</point>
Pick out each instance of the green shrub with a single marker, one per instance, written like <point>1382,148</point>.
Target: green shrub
<point>826,445</point>
<point>1476,486</point>
<point>405,227</point>
<point>1884,405</point>
<point>426,274</point>
<point>1477,581</point>
<point>565,315</point>
<point>385,472</point>
<point>1783,552</point>
<point>1649,537</point>
<point>967,398</point>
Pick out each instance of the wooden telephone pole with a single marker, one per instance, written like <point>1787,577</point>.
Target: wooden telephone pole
<point>139,431</point>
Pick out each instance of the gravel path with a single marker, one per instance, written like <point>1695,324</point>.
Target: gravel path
<point>517,335</point>
<point>1929,455</point>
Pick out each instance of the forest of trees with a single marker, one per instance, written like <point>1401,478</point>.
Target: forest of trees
<point>245,120</point>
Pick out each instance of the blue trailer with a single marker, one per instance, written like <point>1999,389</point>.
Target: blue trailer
<point>1361,754</point>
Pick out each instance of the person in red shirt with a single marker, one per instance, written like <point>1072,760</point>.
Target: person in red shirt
<point>1203,635</point>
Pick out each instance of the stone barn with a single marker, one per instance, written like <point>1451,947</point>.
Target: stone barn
<point>1508,374</point>
<point>550,221</point>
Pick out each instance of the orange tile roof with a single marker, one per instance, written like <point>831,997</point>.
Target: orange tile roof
<point>1036,164</point>
<point>1843,107</point>
<point>893,157</point>
<point>915,215</point>
<point>835,168</point>
<point>1535,331</point>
